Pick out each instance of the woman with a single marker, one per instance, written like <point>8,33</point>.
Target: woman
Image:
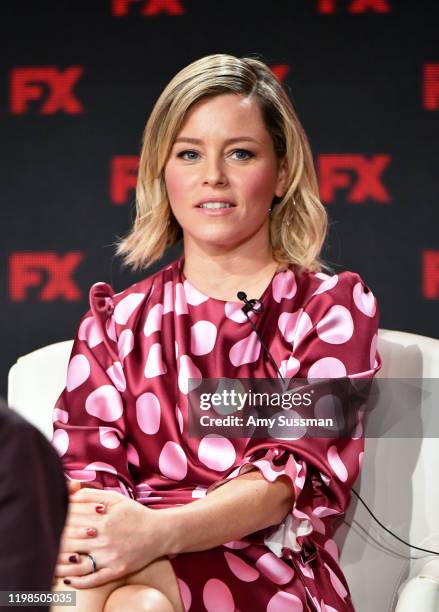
<point>168,521</point>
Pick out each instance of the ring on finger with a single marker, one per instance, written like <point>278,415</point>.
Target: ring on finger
<point>93,561</point>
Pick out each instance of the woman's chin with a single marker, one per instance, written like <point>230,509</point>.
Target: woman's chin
<point>223,240</point>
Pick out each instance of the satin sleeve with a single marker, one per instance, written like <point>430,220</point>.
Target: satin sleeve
<point>89,416</point>
<point>335,336</point>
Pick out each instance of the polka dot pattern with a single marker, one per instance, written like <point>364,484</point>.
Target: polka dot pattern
<point>283,601</point>
<point>185,594</point>
<point>77,372</point>
<point>295,327</point>
<point>115,373</point>
<point>105,403</point>
<point>327,367</point>
<point>289,367</point>
<point>217,591</point>
<point>216,452</point>
<point>153,320</point>
<point>364,300</point>
<point>284,285</point>
<point>193,296</point>
<point>274,568</point>
<point>240,568</point>
<point>60,415</point>
<point>234,312</point>
<point>127,306</point>
<point>203,336</point>
<point>110,328</point>
<point>90,332</point>
<point>123,422</point>
<point>336,464</point>
<point>172,461</point>
<point>337,326</point>
<point>179,418</point>
<point>60,441</point>
<point>246,350</point>
<point>168,300</point>
<point>155,366</point>
<point>328,283</point>
<point>148,413</point>
<point>108,437</point>
<point>125,344</point>
<point>133,455</point>
<point>181,305</point>
<point>188,371</point>
<point>336,582</point>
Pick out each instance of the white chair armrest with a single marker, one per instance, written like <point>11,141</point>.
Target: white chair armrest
<point>422,591</point>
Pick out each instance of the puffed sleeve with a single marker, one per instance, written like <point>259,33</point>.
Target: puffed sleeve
<point>335,336</point>
<point>89,416</point>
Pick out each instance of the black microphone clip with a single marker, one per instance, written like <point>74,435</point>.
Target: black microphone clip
<point>253,304</point>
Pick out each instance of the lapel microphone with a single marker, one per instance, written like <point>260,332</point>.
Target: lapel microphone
<point>254,305</point>
<point>257,306</point>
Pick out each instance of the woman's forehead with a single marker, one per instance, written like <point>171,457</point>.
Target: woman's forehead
<point>223,120</point>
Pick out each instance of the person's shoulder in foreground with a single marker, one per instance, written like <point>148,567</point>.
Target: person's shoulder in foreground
<point>33,504</point>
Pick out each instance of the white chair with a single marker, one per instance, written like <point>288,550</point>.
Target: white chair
<point>398,480</point>
<point>35,382</point>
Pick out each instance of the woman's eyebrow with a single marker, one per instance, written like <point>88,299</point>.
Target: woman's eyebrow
<point>228,141</point>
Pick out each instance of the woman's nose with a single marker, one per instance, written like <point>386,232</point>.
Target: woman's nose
<point>213,171</point>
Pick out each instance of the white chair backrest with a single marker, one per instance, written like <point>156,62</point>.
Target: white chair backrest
<point>398,479</point>
<point>399,483</point>
<point>35,382</point>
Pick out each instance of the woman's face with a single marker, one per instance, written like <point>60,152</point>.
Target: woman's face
<point>205,165</point>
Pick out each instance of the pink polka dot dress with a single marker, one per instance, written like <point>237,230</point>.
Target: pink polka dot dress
<point>121,422</point>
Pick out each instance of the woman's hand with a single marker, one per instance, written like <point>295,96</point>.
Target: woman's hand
<point>122,536</point>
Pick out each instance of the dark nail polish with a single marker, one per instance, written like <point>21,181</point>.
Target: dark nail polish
<point>67,581</point>
<point>100,509</point>
<point>91,532</point>
<point>73,559</point>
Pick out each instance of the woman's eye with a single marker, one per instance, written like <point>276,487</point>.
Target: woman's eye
<point>190,152</point>
<point>184,153</point>
<point>243,151</point>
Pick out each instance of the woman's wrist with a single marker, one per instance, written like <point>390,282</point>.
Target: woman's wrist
<point>166,529</point>
<point>170,530</point>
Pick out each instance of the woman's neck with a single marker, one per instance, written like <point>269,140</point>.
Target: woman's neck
<point>224,276</point>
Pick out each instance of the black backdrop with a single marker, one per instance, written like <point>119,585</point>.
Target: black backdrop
<point>79,80</point>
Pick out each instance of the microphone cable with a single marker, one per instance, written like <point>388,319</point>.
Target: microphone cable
<point>257,307</point>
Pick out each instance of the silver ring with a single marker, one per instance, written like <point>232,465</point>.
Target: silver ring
<point>92,559</point>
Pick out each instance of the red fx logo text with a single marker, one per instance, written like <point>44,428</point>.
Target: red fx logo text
<point>49,271</point>
<point>430,274</point>
<point>355,6</point>
<point>148,8</point>
<point>355,172</point>
<point>49,85</point>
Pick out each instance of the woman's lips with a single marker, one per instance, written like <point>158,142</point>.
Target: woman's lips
<point>216,212</point>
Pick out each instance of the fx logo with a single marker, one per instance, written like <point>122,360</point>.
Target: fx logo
<point>431,86</point>
<point>430,275</point>
<point>123,178</point>
<point>49,271</point>
<point>149,8</point>
<point>355,6</point>
<point>52,87</point>
<point>354,172</point>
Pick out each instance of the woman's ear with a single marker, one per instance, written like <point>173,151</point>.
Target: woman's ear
<point>281,178</point>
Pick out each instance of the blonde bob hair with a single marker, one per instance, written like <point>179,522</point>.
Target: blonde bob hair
<point>298,221</point>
